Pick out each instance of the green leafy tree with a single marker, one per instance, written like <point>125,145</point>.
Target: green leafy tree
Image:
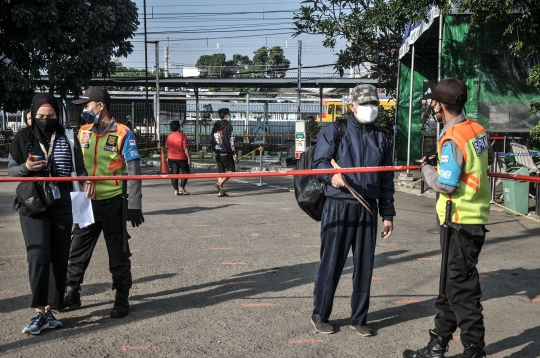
<point>373,30</point>
<point>534,79</point>
<point>267,62</point>
<point>206,115</point>
<point>70,41</point>
<point>385,120</point>
<point>512,23</point>
<point>270,62</point>
<point>239,66</point>
<point>312,129</point>
<point>212,65</point>
<point>131,72</point>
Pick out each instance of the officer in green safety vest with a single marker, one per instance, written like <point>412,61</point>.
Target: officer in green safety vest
<point>108,148</point>
<point>464,154</point>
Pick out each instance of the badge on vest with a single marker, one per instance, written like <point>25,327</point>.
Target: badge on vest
<point>112,141</point>
<point>480,144</point>
<point>85,140</point>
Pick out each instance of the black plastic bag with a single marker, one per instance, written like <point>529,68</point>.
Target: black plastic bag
<point>35,197</point>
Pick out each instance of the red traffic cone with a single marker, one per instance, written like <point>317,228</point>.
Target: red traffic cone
<point>163,165</point>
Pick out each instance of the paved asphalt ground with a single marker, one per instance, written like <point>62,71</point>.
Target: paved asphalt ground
<point>233,277</point>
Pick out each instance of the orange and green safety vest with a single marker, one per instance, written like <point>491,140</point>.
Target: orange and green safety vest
<point>471,200</point>
<point>103,157</point>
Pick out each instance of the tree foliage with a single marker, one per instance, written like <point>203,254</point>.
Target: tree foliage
<point>271,62</point>
<point>312,129</point>
<point>513,24</point>
<point>373,29</point>
<point>267,62</point>
<point>206,114</point>
<point>70,41</point>
<point>211,65</point>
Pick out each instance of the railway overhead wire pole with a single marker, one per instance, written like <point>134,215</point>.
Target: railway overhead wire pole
<point>299,82</point>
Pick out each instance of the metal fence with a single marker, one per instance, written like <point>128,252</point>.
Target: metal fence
<point>271,125</point>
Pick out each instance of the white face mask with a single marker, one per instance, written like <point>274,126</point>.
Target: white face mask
<point>366,113</point>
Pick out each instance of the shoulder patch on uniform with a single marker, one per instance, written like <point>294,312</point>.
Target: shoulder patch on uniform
<point>112,141</point>
<point>85,137</point>
<point>481,144</point>
<point>132,142</point>
<point>444,158</point>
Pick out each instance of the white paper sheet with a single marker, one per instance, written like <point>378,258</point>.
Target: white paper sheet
<point>81,207</point>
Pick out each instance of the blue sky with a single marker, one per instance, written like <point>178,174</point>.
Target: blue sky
<point>205,27</point>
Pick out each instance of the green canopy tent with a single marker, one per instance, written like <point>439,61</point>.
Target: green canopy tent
<point>498,93</point>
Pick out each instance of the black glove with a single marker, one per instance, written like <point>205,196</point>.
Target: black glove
<point>431,161</point>
<point>135,216</point>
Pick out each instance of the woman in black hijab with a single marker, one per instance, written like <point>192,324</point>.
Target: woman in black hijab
<point>38,150</point>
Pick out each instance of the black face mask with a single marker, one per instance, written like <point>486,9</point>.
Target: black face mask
<point>47,125</point>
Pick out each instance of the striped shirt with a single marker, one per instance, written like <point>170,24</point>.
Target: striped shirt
<point>61,156</point>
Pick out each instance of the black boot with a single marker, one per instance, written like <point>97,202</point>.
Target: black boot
<point>72,296</point>
<point>121,304</point>
<point>473,351</point>
<point>436,348</point>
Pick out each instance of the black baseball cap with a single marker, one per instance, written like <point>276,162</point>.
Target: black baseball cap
<point>96,94</point>
<point>450,91</point>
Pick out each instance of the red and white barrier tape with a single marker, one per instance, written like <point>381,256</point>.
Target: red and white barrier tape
<point>252,174</point>
<point>270,173</point>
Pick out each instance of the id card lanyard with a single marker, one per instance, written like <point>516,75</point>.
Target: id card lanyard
<point>47,153</point>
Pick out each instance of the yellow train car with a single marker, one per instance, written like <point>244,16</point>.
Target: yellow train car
<point>332,110</point>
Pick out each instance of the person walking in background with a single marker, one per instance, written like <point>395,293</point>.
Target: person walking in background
<point>39,150</point>
<point>108,147</point>
<point>178,156</point>
<point>464,156</point>
<point>129,124</point>
<point>224,147</point>
<point>346,224</point>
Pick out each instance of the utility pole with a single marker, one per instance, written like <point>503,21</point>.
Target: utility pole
<point>158,109</point>
<point>166,64</point>
<point>299,83</point>
<point>147,115</point>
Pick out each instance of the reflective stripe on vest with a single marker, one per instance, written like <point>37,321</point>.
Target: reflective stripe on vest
<point>471,200</point>
<point>103,157</point>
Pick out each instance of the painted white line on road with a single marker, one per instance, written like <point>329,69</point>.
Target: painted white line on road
<point>269,186</point>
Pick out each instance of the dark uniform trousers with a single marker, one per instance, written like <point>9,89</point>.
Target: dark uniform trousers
<point>344,225</point>
<point>108,218</point>
<point>47,238</point>
<point>460,306</point>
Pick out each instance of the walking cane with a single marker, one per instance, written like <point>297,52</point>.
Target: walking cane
<point>445,244</point>
<point>124,216</point>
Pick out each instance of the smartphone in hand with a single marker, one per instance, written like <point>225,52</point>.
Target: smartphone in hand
<point>35,158</point>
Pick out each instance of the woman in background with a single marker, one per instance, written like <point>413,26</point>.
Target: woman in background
<point>28,117</point>
<point>178,156</point>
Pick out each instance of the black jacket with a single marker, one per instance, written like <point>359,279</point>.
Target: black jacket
<point>223,137</point>
<point>362,145</point>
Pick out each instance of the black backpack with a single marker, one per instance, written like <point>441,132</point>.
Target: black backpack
<point>309,191</point>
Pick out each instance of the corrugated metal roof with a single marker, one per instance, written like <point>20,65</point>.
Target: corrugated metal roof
<point>256,107</point>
